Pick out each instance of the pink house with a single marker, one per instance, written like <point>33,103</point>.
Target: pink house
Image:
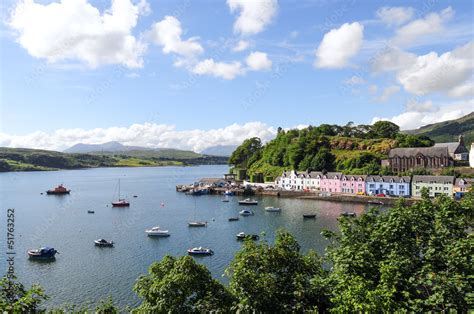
<point>353,184</point>
<point>331,182</point>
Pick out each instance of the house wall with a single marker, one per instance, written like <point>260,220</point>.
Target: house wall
<point>331,185</point>
<point>388,188</point>
<point>433,188</point>
<point>352,185</point>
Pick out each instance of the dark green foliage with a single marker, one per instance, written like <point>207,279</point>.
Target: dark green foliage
<point>278,278</point>
<point>385,129</point>
<point>364,163</point>
<point>247,153</point>
<point>323,160</point>
<point>180,285</point>
<point>410,258</point>
<point>14,298</point>
<point>409,140</point>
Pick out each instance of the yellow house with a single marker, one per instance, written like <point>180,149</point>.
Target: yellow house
<point>436,185</point>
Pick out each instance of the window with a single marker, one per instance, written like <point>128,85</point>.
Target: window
<point>401,187</point>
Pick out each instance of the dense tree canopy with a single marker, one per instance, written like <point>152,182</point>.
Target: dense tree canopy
<point>385,129</point>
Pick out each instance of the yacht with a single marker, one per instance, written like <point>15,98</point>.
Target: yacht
<point>120,202</point>
<point>200,251</point>
<point>248,201</point>
<point>43,253</point>
<point>272,209</point>
<point>157,232</point>
<point>197,224</point>
<point>246,212</point>
<point>104,243</point>
<point>242,236</point>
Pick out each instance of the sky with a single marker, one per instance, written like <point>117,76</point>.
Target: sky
<point>194,74</point>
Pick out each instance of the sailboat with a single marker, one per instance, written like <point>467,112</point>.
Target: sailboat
<point>196,223</point>
<point>120,202</point>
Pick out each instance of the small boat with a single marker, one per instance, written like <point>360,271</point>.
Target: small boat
<point>120,202</point>
<point>233,218</point>
<point>246,212</point>
<point>135,196</point>
<point>248,201</point>
<point>43,253</point>
<point>197,224</point>
<point>242,236</point>
<point>59,190</point>
<point>228,193</point>
<point>157,232</point>
<point>373,202</point>
<point>348,214</point>
<point>309,215</point>
<point>272,209</point>
<point>104,243</point>
<point>91,212</point>
<point>200,251</point>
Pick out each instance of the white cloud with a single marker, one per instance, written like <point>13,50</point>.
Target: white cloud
<point>254,16</point>
<point>338,45</point>
<point>223,70</point>
<point>464,90</point>
<point>258,61</point>
<point>354,80</point>
<point>395,15</point>
<point>433,73</point>
<point>415,119</point>
<point>147,135</point>
<point>76,30</point>
<point>426,106</point>
<point>392,59</point>
<point>241,45</point>
<point>432,23</point>
<point>388,92</point>
<point>167,33</point>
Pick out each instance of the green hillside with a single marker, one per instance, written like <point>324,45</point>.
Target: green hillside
<point>167,153</point>
<point>448,131</point>
<point>354,149</point>
<point>23,159</point>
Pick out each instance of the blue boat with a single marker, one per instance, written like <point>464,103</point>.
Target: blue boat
<point>43,253</point>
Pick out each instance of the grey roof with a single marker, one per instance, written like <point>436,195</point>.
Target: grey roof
<point>468,181</point>
<point>436,179</point>
<point>453,147</point>
<point>331,175</point>
<point>314,174</point>
<point>356,176</point>
<point>405,179</point>
<point>427,151</point>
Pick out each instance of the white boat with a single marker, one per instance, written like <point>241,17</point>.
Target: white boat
<point>272,209</point>
<point>246,212</point>
<point>200,251</point>
<point>242,236</point>
<point>248,201</point>
<point>102,242</point>
<point>157,232</point>
<point>197,224</point>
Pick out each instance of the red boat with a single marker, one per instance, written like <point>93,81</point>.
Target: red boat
<point>59,190</point>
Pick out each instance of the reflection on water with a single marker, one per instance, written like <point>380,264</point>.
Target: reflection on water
<point>83,272</point>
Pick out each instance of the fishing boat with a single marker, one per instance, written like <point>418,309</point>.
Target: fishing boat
<point>200,251</point>
<point>309,216</point>
<point>120,202</point>
<point>248,201</point>
<point>197,224</point>
<point>104,243</point>
<point>43,253</point>
<point>246,212</point>
<point>348,214</point>
<point>234,218</point>
<point>242,236</point>
<point>90,212</point>
<point>157,232</point>
<point>272,209</point>
<point>59,190</point>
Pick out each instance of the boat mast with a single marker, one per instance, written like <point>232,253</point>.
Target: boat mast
<point>119,191</point>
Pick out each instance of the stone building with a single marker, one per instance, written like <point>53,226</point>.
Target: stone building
<point>456,150</point>
<point>403,159</point>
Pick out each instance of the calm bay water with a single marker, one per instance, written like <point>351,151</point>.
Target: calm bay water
<point>84,273</point>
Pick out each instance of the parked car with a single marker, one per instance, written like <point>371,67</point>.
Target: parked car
<point>380,195</point>
<point>360,193</point>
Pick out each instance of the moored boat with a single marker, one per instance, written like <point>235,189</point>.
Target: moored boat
<point>91,212</point>
<point>309,215</point>
<point>120,202</point>
<point>197,224</point>
<point>200,251</point>
<point>242,236</point>
<point>59,190</point>
<point>272,209</point>
<point>374,202</point>
<point>43,253</point>
<point>103,243</point>
<point>157,232</point>
<point>348,214</point>
<point>234,218</point>
<point>248,201</point>
<point>246,212</point>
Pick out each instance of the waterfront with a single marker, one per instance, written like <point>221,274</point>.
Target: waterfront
<point>84,273</point>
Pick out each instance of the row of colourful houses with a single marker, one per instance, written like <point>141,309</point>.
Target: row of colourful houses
<point>404,186</point>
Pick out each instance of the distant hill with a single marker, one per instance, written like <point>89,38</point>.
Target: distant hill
<point>449,131</point>
<point>220,150</point>
<point>109,147</point>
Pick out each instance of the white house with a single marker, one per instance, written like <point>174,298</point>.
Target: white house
<point>291,181</point>
<point>388,185</point>
<point>312,181</point>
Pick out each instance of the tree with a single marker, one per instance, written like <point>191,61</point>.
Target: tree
<point>276,279</point>
<point>14,298</point>
<point>410,258</point>
<point>385,129</point>
<point>180,285</point>
<point>323,160</point>
<point>249,150</point>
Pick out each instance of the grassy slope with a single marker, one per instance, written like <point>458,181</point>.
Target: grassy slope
<point>163,153</point>
<point>448,131</point>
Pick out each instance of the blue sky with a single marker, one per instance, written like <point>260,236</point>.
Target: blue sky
<point>167,73</point>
